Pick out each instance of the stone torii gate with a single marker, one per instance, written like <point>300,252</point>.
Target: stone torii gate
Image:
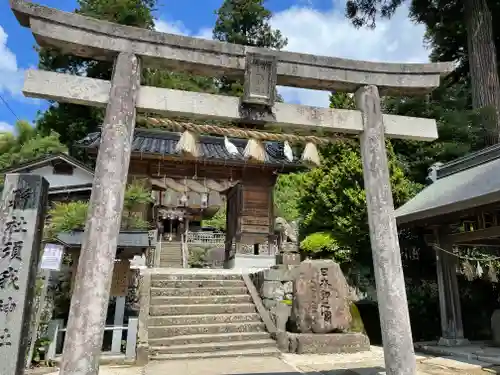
<point>132,49</point>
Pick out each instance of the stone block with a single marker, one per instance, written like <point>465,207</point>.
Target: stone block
<point>312,343</point>
<point>288,287</point>
<point>272,290</point>
<point>321,298</point>
<point>269,303</point>
<point>274,274</point>
<point>292,259</point>
<point>280,315</point>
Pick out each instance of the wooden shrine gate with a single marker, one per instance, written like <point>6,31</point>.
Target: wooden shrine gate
<point>132,49</point>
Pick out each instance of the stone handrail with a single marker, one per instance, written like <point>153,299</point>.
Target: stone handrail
<point>92,38</point>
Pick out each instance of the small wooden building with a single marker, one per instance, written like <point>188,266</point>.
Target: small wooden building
<point>460,208</point>
<point>68,178</point>
<point>187,190</point>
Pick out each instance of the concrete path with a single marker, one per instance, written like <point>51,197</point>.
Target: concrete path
<point>366,363</point>
<point>372,363</point>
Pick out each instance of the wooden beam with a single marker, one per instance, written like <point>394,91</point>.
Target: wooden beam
<point>95,92</point>
<point>480,234</point>
<point>91,38</point>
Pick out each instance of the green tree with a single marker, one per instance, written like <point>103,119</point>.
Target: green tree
<point>245,22</point>
<point>26,143</point>
<point>218,220</point>
<point>459,128</point>
<point>334,201</point>
<point>460,31</point>
<point>287,193</point>
<point>71,216</point>
<point>72,121</point>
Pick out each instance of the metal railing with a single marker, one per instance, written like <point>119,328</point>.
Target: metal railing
<point>208,238</point>
<point>218,239</point>
<point>56,328</point>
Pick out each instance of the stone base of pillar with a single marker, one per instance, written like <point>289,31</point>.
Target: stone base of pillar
<point>453,342</point>
<point>142,355</point>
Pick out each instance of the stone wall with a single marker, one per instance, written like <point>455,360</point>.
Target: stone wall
<point>275,284</point>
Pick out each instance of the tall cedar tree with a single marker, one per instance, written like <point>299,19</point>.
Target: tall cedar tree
<point>245,22</point>
<point>456,30</point>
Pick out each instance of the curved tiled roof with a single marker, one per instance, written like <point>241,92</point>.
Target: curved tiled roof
<point>148,141</point>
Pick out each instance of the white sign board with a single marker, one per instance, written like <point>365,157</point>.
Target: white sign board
<point>52,257</point>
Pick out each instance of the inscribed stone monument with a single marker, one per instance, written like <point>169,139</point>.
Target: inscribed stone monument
<point>321,298</point>
<point>22,212</point>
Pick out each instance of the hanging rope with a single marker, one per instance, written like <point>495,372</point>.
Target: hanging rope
<point>235,132</point>
<point>472,259</point>
<point>468,269</point>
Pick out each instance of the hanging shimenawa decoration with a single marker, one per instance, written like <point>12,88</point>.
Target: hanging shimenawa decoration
<point>188,144</point>
<point>255,149</point>
<point>310,155</point>
<point>472,272</point>
<point>492,273</point>
<point>468,270</point>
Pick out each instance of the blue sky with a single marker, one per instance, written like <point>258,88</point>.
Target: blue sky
<point>312,26</point>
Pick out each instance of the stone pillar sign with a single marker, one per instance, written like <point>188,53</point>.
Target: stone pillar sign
<point>22,212</point>
<point>321,303</point>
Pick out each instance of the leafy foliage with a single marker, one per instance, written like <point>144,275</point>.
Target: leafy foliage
<point>218,220</point>
<point>25,144</point>
<point>245,22</point>
<point>334,200</point>
<point>459,31</point>
<point>73,121</point>
<point>459,127</point>
<point>324,245</point>
<point>67,217</point>
<point>71,216</point>
<point>287,194</point>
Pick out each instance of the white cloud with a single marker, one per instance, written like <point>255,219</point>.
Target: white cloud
<point>5,127</point>
<point>11,81</point>
<point>331,34</point>
<point>178,27</point>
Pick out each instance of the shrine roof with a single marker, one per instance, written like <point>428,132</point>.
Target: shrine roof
<point>468,182</point>
<point>151,141</point>
<point>128,238</point>
<point>38,162</point>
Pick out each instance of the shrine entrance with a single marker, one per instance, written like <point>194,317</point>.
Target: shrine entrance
<point>261,70</point>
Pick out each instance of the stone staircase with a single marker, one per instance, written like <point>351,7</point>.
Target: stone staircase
<point>170,254</point>
<point>205,315</point>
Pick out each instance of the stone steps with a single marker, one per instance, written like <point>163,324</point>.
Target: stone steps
<point>213,347</point>
<point>166,292</point>
<point>180,320</point>
<point>193,329</point>
<point>262,352</point>
<point>209,338</point>
<point>196,276</point>
<point>170,255</point>
<point>201,300</point>
<point>204,314</point>
<point>193,283</point>
<point>233,308</point>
